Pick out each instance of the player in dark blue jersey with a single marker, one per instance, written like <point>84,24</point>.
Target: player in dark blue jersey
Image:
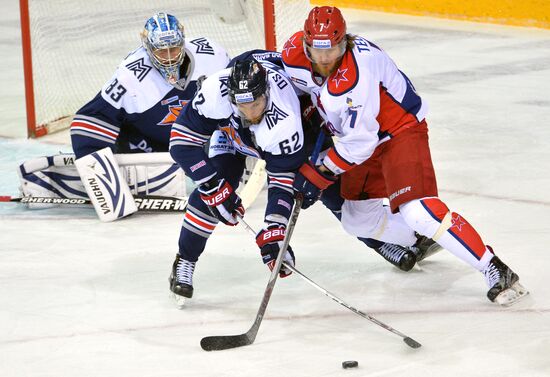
<point>253,110</point>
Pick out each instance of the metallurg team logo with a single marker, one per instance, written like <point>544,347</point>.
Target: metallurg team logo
<point>139,68</point>
<point>173,112</point>
<point>273,115</point>
<point>203,47</point>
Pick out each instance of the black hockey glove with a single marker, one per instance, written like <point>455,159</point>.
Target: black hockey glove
<point>310,183</point>
<point>222,201</point>
<point>270,240</point>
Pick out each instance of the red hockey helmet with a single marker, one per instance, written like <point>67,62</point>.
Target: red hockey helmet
<point>325,27</point>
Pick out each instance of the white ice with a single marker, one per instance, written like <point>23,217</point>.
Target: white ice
<point>83,298</point>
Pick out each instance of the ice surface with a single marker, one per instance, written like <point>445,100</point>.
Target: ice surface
<point>79,297</point>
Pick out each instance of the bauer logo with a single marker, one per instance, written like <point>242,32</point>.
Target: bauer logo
<point>400,192</point>
<point>321,43</point>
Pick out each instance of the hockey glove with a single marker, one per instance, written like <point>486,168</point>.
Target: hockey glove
<point>222,201</point>
<point>270,240</point>
<point>310,183</point>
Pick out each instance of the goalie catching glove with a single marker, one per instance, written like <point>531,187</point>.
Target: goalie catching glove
<point>310,183</point>
<point>222,201</point>
<point>270,240</point>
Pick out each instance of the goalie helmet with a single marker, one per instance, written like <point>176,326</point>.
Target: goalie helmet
<point>247,81</point>
<point>163,38</point>
<point>324,28</point>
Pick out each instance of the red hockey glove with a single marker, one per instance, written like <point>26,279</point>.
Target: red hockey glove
<point>222,201</point>
<point>270,240</point>
<point>310,183</point>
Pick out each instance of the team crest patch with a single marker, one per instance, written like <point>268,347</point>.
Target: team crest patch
<point>274,115</point>
<point>173,113</point>
<point>203,47</point>
<point>139,68</point>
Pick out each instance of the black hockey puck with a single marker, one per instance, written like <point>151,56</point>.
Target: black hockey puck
<point>350,364</point>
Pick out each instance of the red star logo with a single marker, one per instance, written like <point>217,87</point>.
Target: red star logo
<point>340,76</point>
<point>458,222</point>
<point>173,112</point>
<point>289,45</point>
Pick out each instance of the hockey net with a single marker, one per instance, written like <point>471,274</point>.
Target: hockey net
<point>75,46</point>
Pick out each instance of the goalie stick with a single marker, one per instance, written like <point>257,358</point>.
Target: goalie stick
<point>145,203</point>
<point>407,339</point>
<point>223,342</point>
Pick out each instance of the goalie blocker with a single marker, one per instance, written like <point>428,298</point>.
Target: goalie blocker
<point>105,186</point>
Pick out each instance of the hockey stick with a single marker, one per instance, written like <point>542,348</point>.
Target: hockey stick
<point>407,339</point>
<point>145,203</point>
<point>223,342</point>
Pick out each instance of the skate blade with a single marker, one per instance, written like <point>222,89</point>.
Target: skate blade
<point>511,295</point>
<point>434,249</point>
<point>179,301</point>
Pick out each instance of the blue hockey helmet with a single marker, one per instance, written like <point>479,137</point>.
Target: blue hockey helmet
<point>163,38</point>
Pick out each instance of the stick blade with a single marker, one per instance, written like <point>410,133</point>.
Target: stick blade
<point>411,342</point>
<point>224,342</point>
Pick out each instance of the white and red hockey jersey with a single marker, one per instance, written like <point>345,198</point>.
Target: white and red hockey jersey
<point>365,102</point>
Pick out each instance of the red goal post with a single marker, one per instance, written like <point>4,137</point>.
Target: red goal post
<point>71,48</point>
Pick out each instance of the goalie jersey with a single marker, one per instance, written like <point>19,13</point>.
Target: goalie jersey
<point>136,108</point>
<point>278,138</point>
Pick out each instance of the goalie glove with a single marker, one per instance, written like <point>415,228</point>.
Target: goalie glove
<point>222,201</point>
<point>270,240</point>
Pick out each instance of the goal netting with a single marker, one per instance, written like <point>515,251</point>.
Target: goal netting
<point>76,45</point>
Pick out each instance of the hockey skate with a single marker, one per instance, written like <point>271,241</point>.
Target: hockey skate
<point>504,286</point>
<point>402,257</point>
<point>425,247</point>
<point>181,280</point>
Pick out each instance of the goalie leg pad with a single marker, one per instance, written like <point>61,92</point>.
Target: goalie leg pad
<point>105,185</point>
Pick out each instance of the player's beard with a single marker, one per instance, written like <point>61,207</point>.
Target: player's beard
<point>251,122</point>
<point>326,70</point>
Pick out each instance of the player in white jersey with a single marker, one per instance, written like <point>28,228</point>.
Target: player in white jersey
<point>135,109</point>
<point>253,110</point>
<point>382,149</point>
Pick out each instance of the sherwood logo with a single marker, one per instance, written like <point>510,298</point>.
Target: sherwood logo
<point>160,204</point>
<point>54,200</point>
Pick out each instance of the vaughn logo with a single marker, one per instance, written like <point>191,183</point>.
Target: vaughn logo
<point>97,193</point>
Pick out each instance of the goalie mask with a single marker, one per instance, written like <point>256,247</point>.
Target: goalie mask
<point>163,39</point>
<point>249,90</point>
